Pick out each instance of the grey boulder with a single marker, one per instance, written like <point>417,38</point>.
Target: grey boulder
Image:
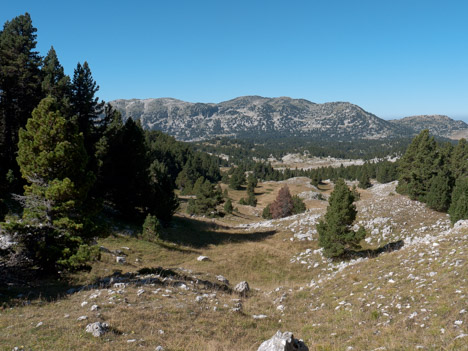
<point>97,328</point>
<point>242,288</point>
<point>283,342</point>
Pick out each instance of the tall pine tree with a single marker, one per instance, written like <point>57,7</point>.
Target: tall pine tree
<point>54,232</point>
<point>54,81</point>
<point>86,105</point>
<point>20,85</point>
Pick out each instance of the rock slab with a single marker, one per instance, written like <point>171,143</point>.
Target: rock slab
<point>283,342</point>
<point>242,288</point>
<point>97,329</point>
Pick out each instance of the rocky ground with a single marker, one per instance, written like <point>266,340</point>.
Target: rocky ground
<point>408,292</point>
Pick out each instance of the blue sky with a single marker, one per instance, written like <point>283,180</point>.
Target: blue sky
<point>393,58</point>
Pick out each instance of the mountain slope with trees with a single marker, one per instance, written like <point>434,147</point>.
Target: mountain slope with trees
<point>254,116</point>
<point>438,125</point>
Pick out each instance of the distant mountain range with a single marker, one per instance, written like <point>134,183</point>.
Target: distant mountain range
<point>439,125</point>
<point>260,117</point>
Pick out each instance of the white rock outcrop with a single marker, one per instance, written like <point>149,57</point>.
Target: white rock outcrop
<point>97,329</point>
<point>283,342</point>
<point>242,288</point>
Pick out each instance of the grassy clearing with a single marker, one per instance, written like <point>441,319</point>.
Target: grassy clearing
<point>409,299</point>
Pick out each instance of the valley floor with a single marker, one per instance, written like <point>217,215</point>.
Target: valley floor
<point>412,296</point>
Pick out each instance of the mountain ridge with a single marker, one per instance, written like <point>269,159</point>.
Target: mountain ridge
<point>254,116</point>
<point>440,125</point>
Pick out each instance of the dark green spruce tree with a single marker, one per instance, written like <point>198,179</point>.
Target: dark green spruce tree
<point>441,184</point>
<point>86,106</point>
<point>206,199</point>
<point>417,167</point>
<point>123,167</point>
<point>54,81</point>
<point>162,201</point>
<point>364,180</point>
<point>334,230</point>
<point>228,206</point>
<point>251,184</point>
<point>459,207</point>
<point>440,190</point>
<point>54,232</point>
<point>459,159</point>
<point>237,178</point>
<point>298,205</point>
<point>20,88</point>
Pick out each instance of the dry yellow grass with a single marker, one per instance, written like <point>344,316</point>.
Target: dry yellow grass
<point>368,304</point>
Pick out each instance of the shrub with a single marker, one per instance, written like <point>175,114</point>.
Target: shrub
<point>266,212</point>
<point>298,205</point>
<point>151,228</point>
<point>228,206</point>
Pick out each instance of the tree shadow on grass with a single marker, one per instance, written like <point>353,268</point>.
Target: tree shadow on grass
<point>19,286</point>
<point>199,234</point>
<point>371,253</point>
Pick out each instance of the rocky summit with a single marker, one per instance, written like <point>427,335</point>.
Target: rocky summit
<point>256,116</point>
<point>438,125</point>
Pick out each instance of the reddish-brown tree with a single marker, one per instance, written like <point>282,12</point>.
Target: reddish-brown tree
<point>283,205</point>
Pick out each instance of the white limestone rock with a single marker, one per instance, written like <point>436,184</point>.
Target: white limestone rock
<point>242,288</point>
<point>283,342</point>
<point>97,329</point>
<point>222,279</point>
<point>121,259</point>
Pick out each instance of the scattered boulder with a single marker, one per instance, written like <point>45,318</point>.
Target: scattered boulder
<point>222,279</point>
<point>242,288</point>
<point>259,316</point>
<point>120,259</point>
<point>237,305</point>
<point>97,329</point>
<point>202,258</point>
<point>283,342</point>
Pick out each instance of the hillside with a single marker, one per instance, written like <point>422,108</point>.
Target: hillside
<point>255,116</point>
<point>411,298</point>
<point>437,124</point>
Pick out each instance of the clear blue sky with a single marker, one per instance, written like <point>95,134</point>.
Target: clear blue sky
<point>393,58</point>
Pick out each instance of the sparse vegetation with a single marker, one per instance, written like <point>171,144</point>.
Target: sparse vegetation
<point>397,272</point>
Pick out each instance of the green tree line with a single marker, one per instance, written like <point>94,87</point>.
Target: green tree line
<point>66,157</point>
<point>437,174</point>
